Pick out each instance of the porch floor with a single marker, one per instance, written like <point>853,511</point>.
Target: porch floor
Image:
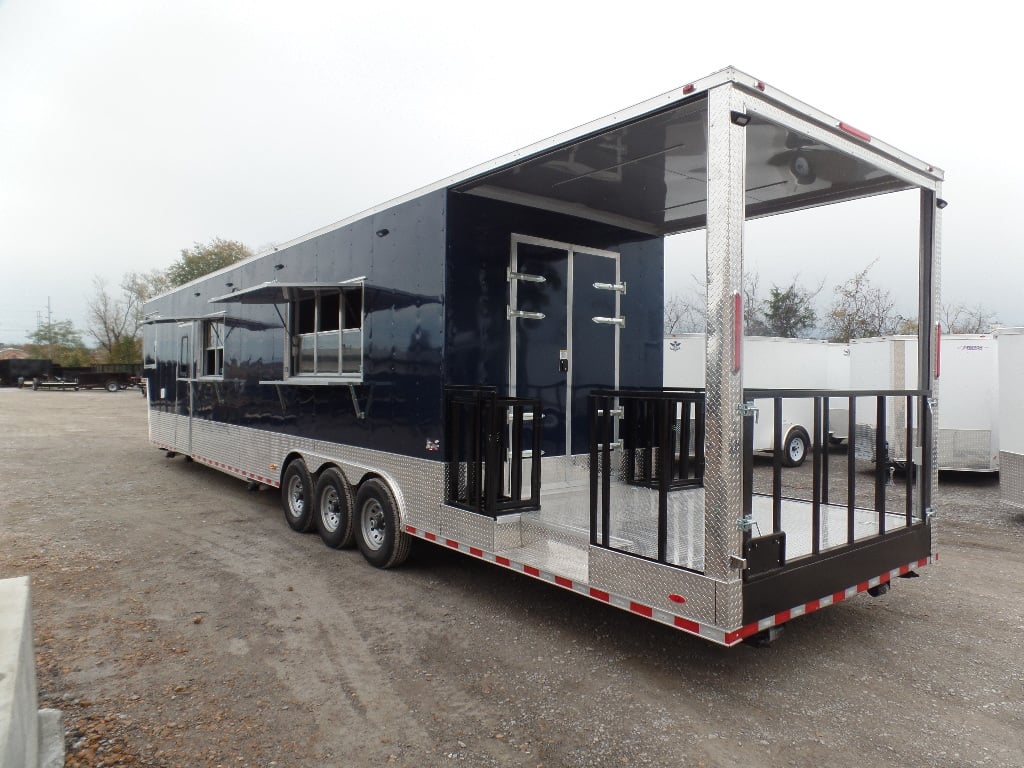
<point>556,538</point>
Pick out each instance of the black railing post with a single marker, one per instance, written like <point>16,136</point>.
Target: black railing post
<point>748,475</point>
<point>515,467</point>
<point>816,479</point>
<point>851,469</point>
<point>666,453</point>
<point>911,468</point>
<point>606,475</point>
<point>492,464</point>
<point>826,442</point>
<point>535,454</point>
<point>453,445</point>
<point>684,438</point>
<point>881,461</point>
<point>777,465</point>
<point>595,406</point>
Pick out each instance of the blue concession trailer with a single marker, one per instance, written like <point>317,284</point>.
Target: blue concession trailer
<point>479,364</point>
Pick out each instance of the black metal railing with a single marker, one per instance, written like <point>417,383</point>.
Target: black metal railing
<point>484,442</point>
<point>767,551</point>
<point>662,442</point>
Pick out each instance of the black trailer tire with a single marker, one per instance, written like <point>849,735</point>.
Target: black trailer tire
<point>333,500</point>
<point>297,496</point>
<point>795,448</point>
<point>378,528</point>
<point>111,386</point>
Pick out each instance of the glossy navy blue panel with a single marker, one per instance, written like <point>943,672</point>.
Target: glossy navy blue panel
<point>479,245</point>
<point>398,404</point>
<point>593,344</point>
<point>540,342</point>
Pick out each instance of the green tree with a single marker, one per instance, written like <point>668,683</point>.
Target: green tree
<point>203,258</point>
<point>789,312</point>
<point>60,342</point>
<point>861,309</point>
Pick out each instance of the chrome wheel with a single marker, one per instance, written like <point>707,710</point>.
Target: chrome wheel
<point>296,497</point>
<point>330,510</point>
<point>373,523</point>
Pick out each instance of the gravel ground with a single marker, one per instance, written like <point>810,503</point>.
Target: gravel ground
<point>179,622</point>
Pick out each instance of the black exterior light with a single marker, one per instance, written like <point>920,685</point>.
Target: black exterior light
<point>940,203</point>
<point>382,232</point>
<point>742,119</point>
<point>229,285</point>
<point>197,293</point>
<point>278,267</point>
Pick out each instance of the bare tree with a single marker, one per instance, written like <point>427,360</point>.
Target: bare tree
<point>957,318</point>
<point>115,321</point>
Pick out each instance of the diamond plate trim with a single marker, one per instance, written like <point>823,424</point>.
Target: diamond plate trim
<point>652,583</point>
<point>724,427</point>
<point>1011,478</point>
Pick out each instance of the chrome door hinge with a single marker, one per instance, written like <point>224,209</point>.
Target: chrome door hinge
<point>510,275</point>
<point>620,287</point>
<point>619,321</point>
<point>747,409</point>
<point>510,313</point>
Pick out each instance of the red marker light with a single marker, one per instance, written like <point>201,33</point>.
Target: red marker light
<point>854,132</point>
<point>760,85</point>
<point>677,598</point>
<point>688,88</point>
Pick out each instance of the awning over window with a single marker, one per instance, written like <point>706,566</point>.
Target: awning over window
<point>277,293</point>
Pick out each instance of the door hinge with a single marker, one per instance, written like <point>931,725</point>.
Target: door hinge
<point>527,278</point>
<point>747,409</point>
<point>745,523</point>
<point>620,287</point>
<point>619,321</point>
<point>511,313</point>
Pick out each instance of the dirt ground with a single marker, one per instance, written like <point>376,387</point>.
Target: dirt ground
<point>179,622</point>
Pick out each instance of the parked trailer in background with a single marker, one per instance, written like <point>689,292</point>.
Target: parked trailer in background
<point>478,365</point>
<point>18,371</point>
<point>968,402</point>
<point>1011,415</point>
<point>773,363</point>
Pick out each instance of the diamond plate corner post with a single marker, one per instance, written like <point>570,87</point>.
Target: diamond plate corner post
<point>930,272</point>
<point>724,391</point>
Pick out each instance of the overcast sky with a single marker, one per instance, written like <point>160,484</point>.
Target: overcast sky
<point>131,129</point>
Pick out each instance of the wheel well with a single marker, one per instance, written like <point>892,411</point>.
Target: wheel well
<point>288,460</point>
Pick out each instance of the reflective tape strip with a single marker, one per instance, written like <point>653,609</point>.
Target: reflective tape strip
<point>689,626</point>
<point>244,474</point>
<point>802,610</point>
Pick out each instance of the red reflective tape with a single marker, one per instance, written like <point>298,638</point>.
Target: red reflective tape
<point>563,582</point>
<point>862,587</point>
<point>503,561</point>
<point>838,597</point>
<point>904,569</point>
<point>410,529</point>
<point>643,610</point>
<point>782,617</point>
<point>689,626</point>
<point>812,606</point>
<point>884,578</point>
<point>854,131</point>
<point>741,633</point>
<point>737,331</point>
<point>600,594</point>
<point>529,569</point>
<point>476,552</point>
<point>923,563</point>
<point>452,544</point>
<point>431,536</point>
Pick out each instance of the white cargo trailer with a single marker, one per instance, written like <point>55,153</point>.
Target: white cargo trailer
<point>778,364</point>
<point>967,406</point>
<point>1011,415</point>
